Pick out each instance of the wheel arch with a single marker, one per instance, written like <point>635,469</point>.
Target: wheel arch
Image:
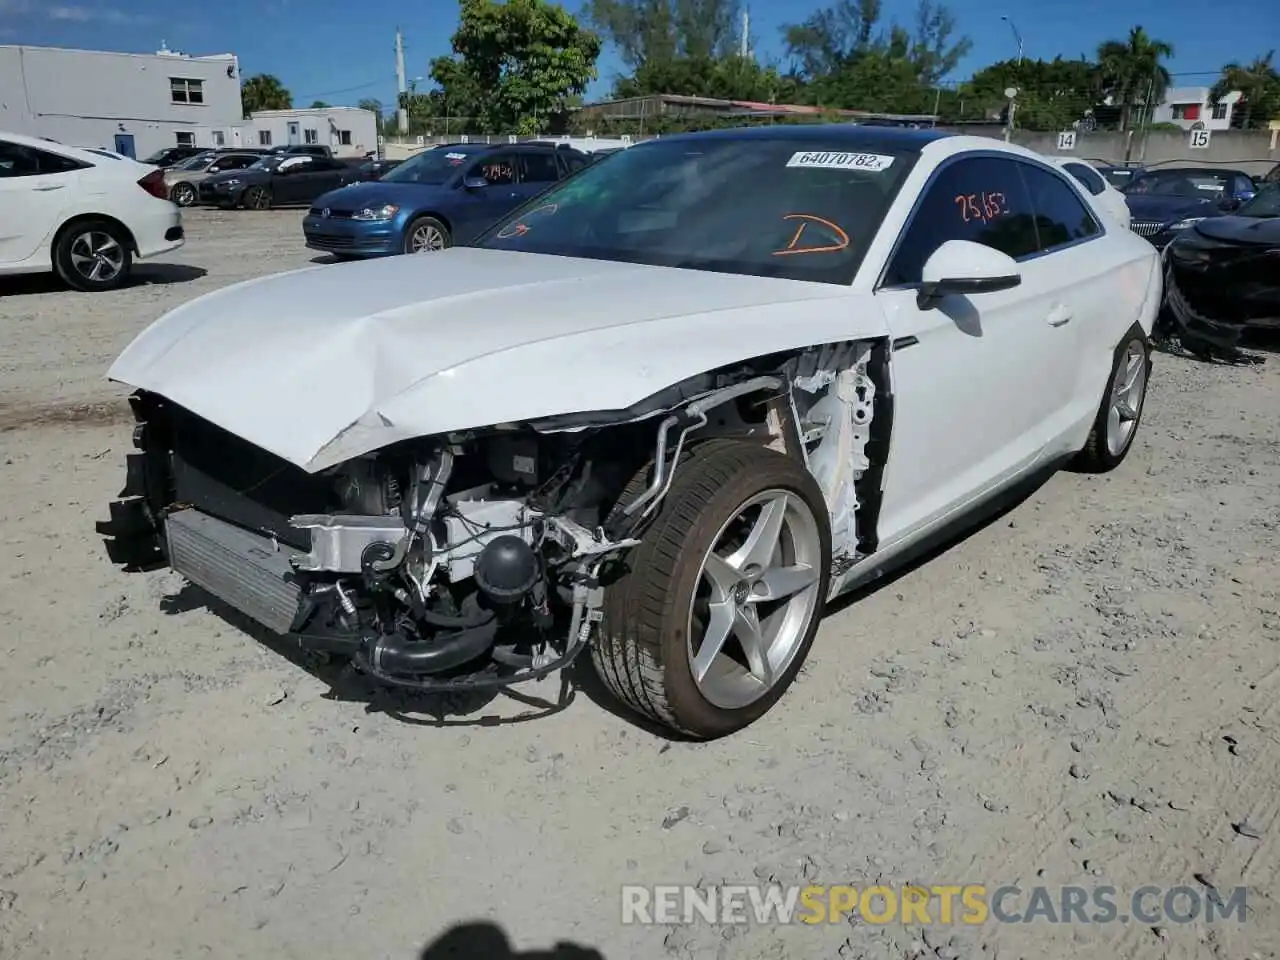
<point>81,218</point>
<point>417,215</point>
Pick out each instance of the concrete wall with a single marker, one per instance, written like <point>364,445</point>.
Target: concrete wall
<point>84,98</point>
<point>1254,152</point>
<point>329,125</point>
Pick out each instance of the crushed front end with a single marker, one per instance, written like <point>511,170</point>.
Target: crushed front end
<point>443,564</point>
<point>1217,289</point>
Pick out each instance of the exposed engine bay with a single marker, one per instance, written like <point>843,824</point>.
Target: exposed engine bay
<point>479,559</point>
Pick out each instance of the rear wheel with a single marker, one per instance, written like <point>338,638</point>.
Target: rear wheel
<point>427,235</point>
<point>93,255</point>
<point>1120,413</point>
<point>720,602</point>
<point>183,194</point>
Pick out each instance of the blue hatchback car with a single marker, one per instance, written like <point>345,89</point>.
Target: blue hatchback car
<point>435,199</point>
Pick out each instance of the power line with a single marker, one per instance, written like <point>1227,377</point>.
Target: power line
<point>334,93</point>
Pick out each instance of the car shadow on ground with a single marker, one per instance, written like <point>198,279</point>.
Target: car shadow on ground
<point>482,940</point>
<point>144,274</point>
<point>467,709</point>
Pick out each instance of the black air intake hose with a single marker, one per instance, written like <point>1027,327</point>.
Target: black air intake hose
<point>395,653</point>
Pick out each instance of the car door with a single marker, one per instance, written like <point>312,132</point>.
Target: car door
<point>538,170</point>
<point>36,187</point>
<point>976,379</point>
<point>481,206</point>
<point>293,179</point>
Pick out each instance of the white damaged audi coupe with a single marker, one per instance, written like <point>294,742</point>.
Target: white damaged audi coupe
<point>661,413</point>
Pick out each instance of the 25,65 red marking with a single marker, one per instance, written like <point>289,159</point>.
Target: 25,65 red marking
<point>982,206</point>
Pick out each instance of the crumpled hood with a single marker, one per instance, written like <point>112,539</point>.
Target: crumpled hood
<point>374,193</point>
<point>1160,209</point>
<point>1263,230</point>
<point>329,362</point>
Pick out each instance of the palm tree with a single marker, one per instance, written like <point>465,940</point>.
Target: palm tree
<point>1259,87</point>
<point>1133,72</point>
<point>264,92</point>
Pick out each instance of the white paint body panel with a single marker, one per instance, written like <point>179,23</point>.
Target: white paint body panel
<point>327,363</point>
<point>32,209</point>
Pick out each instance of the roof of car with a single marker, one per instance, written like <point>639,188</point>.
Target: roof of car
<point>1198,171</point>
<point>54,146</point>
<point>843,134</point>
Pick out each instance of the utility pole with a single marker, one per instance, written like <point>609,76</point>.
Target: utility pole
<point>746,34</point>
<point>402,114</point>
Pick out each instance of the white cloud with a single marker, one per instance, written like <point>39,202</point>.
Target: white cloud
<point>77,14</point>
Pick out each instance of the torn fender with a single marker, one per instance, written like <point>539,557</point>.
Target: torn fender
<point>324,364</point>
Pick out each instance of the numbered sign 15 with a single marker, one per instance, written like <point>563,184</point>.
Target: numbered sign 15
<point>1200,139</point>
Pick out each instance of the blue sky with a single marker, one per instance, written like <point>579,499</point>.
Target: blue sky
<point>340,52</point>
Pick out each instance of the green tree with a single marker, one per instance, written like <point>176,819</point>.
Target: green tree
<point>1052,94</point>
<point>833,39</point>
<point>519,63</point>
<point>1133,72</point>
<point>319,105</point>
<point>664,31</point>
<point>372,105</point>
<point>264,92</point>
<point>1259,87</point>
<point>726,78</point>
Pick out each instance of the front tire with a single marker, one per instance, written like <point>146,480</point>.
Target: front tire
<point>257,198</point>
<point>719,604</point>
<point>93,255</point>
<point>183,194</point>
<point>1120,412</point>
<point>427,235</point>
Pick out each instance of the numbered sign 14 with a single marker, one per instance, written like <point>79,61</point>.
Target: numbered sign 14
<point>1066,141</point>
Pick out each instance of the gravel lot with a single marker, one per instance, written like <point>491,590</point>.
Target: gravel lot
<point>1082,692</point>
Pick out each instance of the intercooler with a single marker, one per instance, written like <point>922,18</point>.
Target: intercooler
<point>250,572</point>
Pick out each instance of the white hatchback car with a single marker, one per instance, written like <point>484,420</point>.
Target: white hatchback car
<point>1105,197</point>
<point>84,214</point>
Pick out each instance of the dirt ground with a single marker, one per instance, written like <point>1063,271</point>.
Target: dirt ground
<point>1082,692</point>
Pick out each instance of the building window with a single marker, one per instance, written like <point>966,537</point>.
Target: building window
<point>344,137</point>
<point>186,139</point>
<point>264,138</point>
<point>309,136</point>
<point>219,138</point>
<point>1220,111</point>
<point>1186,111</point>
<point>186,91</point>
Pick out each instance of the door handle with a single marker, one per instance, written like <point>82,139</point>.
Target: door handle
<point>46,187</point>
<point>1059,316</point>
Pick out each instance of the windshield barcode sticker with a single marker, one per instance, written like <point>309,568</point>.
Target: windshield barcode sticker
<point>455,156</point>
<point>875,162</point>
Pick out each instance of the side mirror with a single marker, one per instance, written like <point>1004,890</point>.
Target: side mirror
<point>965,268</point>
<point>474,183</point>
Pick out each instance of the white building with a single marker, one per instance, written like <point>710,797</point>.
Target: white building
<point>133,103</point>
<point>349,131</point>
<point>1190,107</point>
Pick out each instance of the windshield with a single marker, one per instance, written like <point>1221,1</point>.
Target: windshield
<point>432,167</point>
<point>781,207</point>
<point>1205,184</point>
<point>267,163</point>
<point>1265,204</point>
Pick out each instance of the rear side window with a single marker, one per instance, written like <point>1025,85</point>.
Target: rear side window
<point>538,168</point>
<point>981,199</point>
<point>576,161</point>
<point>1062,217</point>
<point>1087,176</point>
<point>19,161</point>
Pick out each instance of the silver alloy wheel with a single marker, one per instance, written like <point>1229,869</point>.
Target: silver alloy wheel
<point>1126,398</point>
<point>97,256</point>
<point>256,198</point>
<point>183,194</point>
<point>426,238</point>
<point>757,593</point>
